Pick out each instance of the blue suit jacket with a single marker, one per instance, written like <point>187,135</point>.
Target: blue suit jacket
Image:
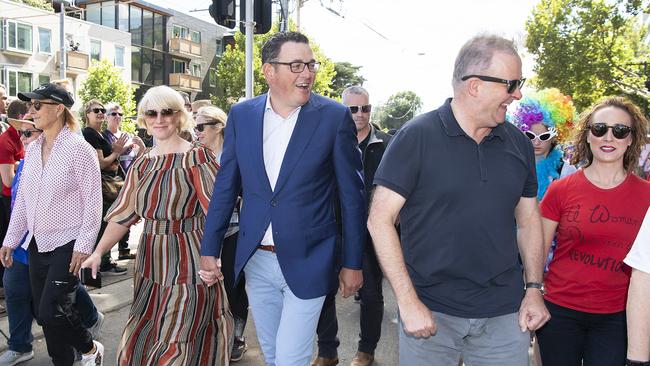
<point>321,160</point>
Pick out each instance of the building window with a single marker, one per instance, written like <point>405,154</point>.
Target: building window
<point>180,31</point>
<point>147,28</point>
<point>213,77</point>
<point>196,36</point>
<point>119,56</point>
<point>108,14</point>
<point>93,13</point>
<point>123,17</point>
<point>178,66</point>
<point>158,31</point>
<point>20,82</point>
<point>219,50</point>
<point>158,65</point>
<point>20,36</point>
<point>147,66</point>
<point>44,40</point>
<point>136,25</point>
<point>43,79</point>
<point>196,70</point>
<point>135,64</point>
<point>95,49</point>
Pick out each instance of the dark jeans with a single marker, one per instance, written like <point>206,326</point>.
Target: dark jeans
<point>18,295</point>
<point>53,292</point>
<point>123,245</point>
<point>237,297</point>
<point>5,215</point>
<point>372,310</point>
<point>575,338</point>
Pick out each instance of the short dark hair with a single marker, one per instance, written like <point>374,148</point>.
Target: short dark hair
<point>271,48</point>
<point>17,108</point>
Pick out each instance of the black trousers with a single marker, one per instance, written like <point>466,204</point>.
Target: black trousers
<point>236,294</point>
<point>575,338</point>
<point>372,310</point>
<point>5,215</point>
<point>53,294</point>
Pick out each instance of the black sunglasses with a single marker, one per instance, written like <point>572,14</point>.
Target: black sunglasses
<point>364,108</point>
<point>29,133</point>
<point>98,110</point>
<point>116,114</point>
<point>297,66</point>
<point>620,131</point>
<point>152,113</point>
<point>201,126</point>
<point>38,105</point>
<point>512,84</point>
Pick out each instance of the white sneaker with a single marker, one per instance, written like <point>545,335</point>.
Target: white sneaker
<point>96,358</point>
<point>10,358</point>
<point>97,327</point>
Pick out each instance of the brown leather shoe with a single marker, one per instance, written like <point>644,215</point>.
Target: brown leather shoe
<point>325,361</point>
<point>362,359</point>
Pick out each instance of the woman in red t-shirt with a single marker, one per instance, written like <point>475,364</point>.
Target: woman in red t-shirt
<point>596,213</point>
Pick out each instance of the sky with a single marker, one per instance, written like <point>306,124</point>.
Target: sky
<point>401,44</point>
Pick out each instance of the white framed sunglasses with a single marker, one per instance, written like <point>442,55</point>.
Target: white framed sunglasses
<point>545,136</point>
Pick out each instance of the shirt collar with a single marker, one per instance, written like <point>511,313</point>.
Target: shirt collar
<point>269,108</point>
<point>452,127</point>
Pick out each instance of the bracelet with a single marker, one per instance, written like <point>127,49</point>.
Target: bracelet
<point>629,362</point>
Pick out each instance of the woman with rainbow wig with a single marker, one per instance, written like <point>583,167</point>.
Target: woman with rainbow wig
<point>546,117</point>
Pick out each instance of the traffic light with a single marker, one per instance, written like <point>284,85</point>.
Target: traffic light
<point>228,40</point>
<point>223,12</point>
<point>261,16</point>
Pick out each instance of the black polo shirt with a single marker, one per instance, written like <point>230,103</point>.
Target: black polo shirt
<point>457,224</point>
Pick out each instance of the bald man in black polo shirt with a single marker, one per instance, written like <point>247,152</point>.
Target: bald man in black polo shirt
<point>459,178</point>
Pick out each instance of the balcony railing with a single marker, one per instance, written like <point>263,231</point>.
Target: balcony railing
<point>75,62</point>
<point>182,46</point>
<point>185,82</point>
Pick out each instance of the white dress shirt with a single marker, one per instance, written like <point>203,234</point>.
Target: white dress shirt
<point>276,136</point>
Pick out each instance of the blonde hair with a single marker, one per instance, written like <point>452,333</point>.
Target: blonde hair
<point>165,97</point>
<point>69,118</point>
<point>639,133</point>
<point>215,114</point>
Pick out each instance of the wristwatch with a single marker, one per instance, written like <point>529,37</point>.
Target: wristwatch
<point>629,362</point>
<point>537,285</point>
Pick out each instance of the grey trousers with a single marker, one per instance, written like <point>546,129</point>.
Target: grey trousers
<point>494,341</point>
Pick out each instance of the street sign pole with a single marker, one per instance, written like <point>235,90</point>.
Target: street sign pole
<point>249,48</point>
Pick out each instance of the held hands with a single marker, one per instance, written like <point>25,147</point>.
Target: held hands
<point>533,313</point>
<point>350,281</point>
<point>76,262</point>
<point>93,261</point>
<point>6,256</point>
<point>417,319</point>
<point>210,272</point>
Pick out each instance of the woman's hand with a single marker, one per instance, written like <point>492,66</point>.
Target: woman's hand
<point>119,145</point>
<point>93,261</point>
<point>6,256</point>
<point>139,144</point>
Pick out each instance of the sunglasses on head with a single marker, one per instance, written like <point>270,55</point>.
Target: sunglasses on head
<point>545,136</point>
<point>512,84</point>
<point>116,114</point>
<point>364,108</point>
<point>200,127</point>
<point>619,130</point>
<point>152,113</point>
<point>30,132</point>
<point>98,110</point>
<point>38,105</point>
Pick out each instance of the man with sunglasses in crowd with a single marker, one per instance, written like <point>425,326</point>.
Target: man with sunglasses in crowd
<point>458,178</point>
<point>372,143</point>
<point>289,152</point>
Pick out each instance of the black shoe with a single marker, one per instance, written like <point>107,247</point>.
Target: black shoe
<point>239,347</point>
<point>112,270</point>
<point>126,256</point>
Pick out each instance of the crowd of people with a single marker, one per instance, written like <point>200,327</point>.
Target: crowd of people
<point>496,218</point>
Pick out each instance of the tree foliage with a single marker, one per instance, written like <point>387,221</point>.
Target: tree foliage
<point>105,84</point>
<point>399,108</point>
<point>41,4</point>
<point>231,71</point>
<point>590,48</point>
<point>346,75</point>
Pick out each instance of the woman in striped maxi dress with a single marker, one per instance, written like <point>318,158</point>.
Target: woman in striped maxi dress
<point>175,318</point>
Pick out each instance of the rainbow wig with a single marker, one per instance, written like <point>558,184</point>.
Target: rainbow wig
<point>547,106</point>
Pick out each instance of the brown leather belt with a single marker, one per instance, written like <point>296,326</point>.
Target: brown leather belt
<point>268,248</point>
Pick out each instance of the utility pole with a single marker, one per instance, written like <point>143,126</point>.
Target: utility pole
<point>298,6</point>
<point>249,49</point>
<point>284,10</point>
<point>64,55</point>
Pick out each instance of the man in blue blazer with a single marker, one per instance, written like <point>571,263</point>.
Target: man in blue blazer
<point>289,152</point>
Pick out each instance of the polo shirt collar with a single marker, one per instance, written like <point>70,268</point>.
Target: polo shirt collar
<point>452,128</point>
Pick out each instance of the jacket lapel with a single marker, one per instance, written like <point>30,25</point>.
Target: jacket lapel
<point>257,131</point>
<point>308,120</point>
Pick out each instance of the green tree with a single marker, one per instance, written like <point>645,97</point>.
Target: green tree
<point>105,84</point>
<point>399,108</point>
<point>41,4</point>
<point>346,75</point>
<point>232,66</point>
<point>590,48</point>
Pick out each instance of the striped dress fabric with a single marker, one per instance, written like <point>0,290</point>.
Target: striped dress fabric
<point>175,319</point>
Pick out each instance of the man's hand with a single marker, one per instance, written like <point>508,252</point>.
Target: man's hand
<point>350,281</point>
<point>6,256</point>
<point>417,319</point>
<point>210,272</point>
<point>533,313</point>
<point>75,262</point>
<point>119,145</point>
